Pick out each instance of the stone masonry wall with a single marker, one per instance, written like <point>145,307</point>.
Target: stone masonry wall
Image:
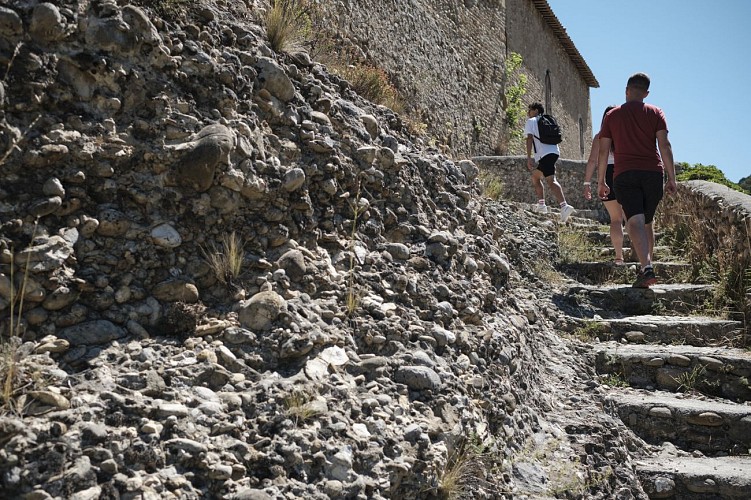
<point>447,57</point>
<point>720,214</point>
<point>719,222</point>
<point>517,185</point>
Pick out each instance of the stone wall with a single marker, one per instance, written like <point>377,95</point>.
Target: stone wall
<point>447,57</point>
<point>718,222</point>
<point>720,215</point>
<point>517,185</point>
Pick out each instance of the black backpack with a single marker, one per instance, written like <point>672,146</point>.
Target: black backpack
<point>550,132</point>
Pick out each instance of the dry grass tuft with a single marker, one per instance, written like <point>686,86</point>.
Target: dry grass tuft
<point>227,261</point>
<point>9,372</point>
<point>689,380</point>
<point>592,330</point>
<point>464,471</point>
<point>712,253</point>
<point>373,84</point>
<point>288,25</point>
<point>492,185</point>
<point>354,295</point>
<point>300,406</point>
<point>10,359</point>
<point>573,246</point>
<point>546,272</point>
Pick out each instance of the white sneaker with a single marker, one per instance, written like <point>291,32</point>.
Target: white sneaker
<point>566,211</point>
<point>541,209</point>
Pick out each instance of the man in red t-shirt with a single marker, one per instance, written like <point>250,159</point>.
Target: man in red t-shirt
<point>633,128</point>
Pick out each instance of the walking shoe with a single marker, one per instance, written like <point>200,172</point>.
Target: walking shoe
<point>645,279</point>
<point>541,209</point>
<point>566,211</point>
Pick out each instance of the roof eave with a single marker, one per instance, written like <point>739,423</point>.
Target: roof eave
<point>568,45</point>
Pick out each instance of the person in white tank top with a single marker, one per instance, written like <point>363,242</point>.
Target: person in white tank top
<point>611,204</point>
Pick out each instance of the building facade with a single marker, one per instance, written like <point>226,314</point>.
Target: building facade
<point>557,74</point>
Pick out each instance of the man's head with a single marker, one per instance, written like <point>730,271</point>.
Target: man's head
<point>536,109</point>
<point>637,87</point>
<point>638,81</point>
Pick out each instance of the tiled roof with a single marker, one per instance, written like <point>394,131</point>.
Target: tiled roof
<point>550,18</point>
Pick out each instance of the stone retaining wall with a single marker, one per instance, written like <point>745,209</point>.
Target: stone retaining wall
<point>722,216</point>
<point>517,185</point>
<point>718,221</point>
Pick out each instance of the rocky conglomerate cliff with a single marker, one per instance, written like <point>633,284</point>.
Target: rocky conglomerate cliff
<point>387,330</point>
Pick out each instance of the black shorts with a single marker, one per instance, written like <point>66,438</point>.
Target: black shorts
<point>546,165</point>
<point>639,192</point>
<point>609,182</point>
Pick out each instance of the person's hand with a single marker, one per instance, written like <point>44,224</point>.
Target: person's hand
<point>671,187</point>
<point>603,190</point>
<point>587,192</point>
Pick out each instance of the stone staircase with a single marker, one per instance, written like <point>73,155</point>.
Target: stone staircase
<point>677,373</point>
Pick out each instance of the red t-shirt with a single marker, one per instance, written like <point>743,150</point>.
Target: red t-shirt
<point>633,127</point>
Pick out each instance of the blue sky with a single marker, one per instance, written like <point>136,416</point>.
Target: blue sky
<point>698,55</point>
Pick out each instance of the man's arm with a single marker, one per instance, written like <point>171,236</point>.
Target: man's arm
<point>602,166</point>
<point>666,153</point>
<point>530,144</point>
<point>591,166</point>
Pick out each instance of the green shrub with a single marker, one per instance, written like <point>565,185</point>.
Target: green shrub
<point>516,88</point>
<point>745,184</point>
<point>686,172</point>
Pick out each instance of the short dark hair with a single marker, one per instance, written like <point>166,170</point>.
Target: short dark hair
<point>638,81</point>
<point>539,107</point>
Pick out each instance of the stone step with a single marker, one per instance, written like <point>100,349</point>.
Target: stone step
<point>580,219</point>
<point>601,237</point>
<point>714,428</point>
<point>717,371</point>
<point>623,299</point>
<point>608,272</point>
<point>661,252</point>
<point>699,478</point>
<point>676,330</point>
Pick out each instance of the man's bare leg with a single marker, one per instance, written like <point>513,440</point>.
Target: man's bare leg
<point>640,239</point>
<point>651,240</point>
<point>555,188</point>
<point>537,184</point>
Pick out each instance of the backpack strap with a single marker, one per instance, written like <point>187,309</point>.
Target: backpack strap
<point>538,131</point>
